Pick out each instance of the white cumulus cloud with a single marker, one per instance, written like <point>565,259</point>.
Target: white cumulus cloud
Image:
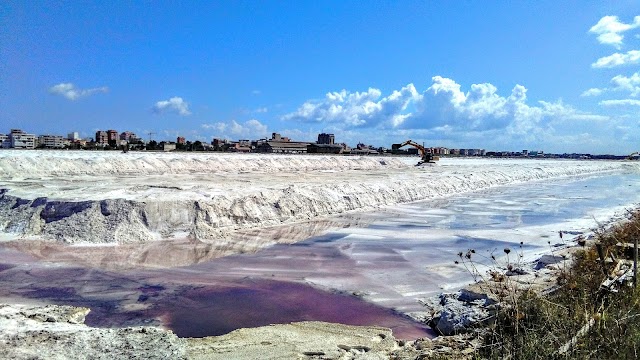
<point>357,108</point>
<point>73,93</point>
<point>631,57</point>
<point>627,83</point>
<point>630,84</point>
<point>443,105</point>
<point>445,114</point>
<point>175,104</point>
<point>609,30</point>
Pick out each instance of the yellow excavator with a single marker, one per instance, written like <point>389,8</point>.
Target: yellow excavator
<point>427,156</point>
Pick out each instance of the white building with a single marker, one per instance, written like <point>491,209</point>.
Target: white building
<point>73,136</point>
<point>21,140</point>
<point>51,141</point>
<point>168,146</point>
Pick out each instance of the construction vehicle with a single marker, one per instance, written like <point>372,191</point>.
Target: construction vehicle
<point>426,155</point>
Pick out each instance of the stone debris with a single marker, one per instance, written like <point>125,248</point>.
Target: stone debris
<point>460,312</point>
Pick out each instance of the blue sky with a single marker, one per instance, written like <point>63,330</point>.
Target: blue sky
<point>558,76</point>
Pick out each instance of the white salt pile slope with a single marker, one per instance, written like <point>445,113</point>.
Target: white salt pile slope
<point>109,197</point>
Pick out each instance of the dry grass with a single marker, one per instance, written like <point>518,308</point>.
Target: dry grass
<point>530,326</point>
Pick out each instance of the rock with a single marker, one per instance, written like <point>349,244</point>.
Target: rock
<point>309,339</point>
<point>58,332</point>
<point>454,313</point>
<point>54,313</point>
<point>471,296</point>
<point>458,317</point>
<point>516,271</point>
<point>548,260</point>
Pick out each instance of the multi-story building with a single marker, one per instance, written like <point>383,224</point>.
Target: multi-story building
<point>129,137</point>
<point>73,136</point>
<point>102,138</point>
<point>112,137</point>
<point>21,140</point>
<point>278,137</point>
<point>326,139</point>
<point>5,142</point>
<point>51,141</point>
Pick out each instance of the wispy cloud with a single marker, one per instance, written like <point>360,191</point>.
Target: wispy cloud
<point>621,102</point>
<point>218,126</point>
<point>249,129</point>
<point>609,30</point>
<point>175,104</point>
<point>618,59</point>
<point>73,93</point>
<point>593,92</point>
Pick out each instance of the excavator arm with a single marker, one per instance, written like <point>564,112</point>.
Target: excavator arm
<point>424,154</point>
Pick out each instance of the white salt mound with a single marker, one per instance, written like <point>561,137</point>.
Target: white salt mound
<point>111,197</point>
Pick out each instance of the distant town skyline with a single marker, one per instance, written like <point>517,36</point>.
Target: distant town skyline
<point>18,139</point>
<point>561,77</point>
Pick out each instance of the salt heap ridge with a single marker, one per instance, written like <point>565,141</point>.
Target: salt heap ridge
<point>109,197</point>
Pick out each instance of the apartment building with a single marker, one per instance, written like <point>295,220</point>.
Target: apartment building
<point>328,139</point>
<point>112,137</point>
<point>52,141</point>
<point>21,140</point>
<point>129,137</point>
<point>102,138</point>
